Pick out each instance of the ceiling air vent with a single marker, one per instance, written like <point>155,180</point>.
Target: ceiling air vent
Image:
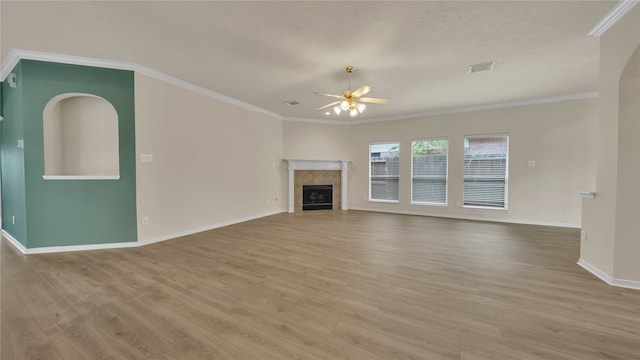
<point>481,67</point>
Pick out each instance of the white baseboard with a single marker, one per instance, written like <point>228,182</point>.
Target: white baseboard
<point>55,249</point>
<point>475,218</point>
<point>629,284</point>
<point>13,241</point>
<point>208,227</point>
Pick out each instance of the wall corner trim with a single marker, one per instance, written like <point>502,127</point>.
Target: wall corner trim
<point>615,14</point>
<point>610,280</point>
<point>13,241</point>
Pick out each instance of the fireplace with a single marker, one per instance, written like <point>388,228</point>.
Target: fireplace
<point>317,197</point>
<point>318,172</point>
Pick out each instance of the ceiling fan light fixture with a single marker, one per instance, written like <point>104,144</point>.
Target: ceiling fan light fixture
<point>351,101</point>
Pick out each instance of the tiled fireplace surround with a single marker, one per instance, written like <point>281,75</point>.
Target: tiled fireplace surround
<point>317,172</point>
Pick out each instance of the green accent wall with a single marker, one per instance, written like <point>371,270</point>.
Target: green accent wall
<point>12,161</point>
<point>74,212</point>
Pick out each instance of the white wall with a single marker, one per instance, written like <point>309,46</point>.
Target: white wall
<point>89,136</point>
<point>558,136</point>
<point>599,214</point>
<point>626,259</point>
<point>213,163</point>
<point>314,141</point>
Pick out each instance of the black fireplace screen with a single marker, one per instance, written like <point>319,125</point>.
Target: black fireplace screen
<point>317,197</point>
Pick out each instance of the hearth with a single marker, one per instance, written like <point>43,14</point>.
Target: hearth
<point>317,197</point>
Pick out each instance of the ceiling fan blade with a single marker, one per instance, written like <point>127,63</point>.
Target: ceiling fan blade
<point>374,100</point>
<point>329,105</point>
<point>361,91</point>
<point>330,95</point>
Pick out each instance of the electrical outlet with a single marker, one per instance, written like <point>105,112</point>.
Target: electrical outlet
<point>583,236</point>
<point>145,220</point>
<point>146,157</point>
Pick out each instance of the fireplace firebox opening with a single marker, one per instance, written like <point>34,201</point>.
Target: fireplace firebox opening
<point>317,197</point>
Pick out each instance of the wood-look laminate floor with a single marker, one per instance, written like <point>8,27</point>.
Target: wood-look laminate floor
<point>324,285</point>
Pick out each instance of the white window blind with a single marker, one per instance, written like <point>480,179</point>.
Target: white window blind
<point>486,170</point>
<point>429,171</point>
<point>384,171</point>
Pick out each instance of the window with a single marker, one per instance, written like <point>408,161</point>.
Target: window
<point>384,171</point>
<point>486,171</point>
<point>429,171</point>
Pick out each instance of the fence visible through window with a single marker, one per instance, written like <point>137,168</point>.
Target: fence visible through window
<point>429,171</point>
<point>384,171</point>
<point>486,171</point>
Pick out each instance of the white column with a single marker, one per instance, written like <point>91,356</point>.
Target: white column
<point>291,170</point>
<point>343,183</point>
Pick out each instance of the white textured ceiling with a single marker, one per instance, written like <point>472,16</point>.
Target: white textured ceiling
<point>265,53</point>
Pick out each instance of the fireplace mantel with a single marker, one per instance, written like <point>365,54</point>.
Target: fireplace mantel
<point>296,164</point>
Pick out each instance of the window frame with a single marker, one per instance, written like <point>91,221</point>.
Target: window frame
<point>506,176</point>
<point>370,190</point>
<point>446,175</point>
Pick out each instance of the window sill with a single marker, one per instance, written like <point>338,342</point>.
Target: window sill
<point>485,208</point>
<point>81,177</point>
<point>384,201</point>
<point>429,204</point>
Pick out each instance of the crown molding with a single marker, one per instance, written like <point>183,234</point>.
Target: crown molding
<point>15,55</point>
<point>455,110</point>
<point>612,17</point>
<point>464,109</point>
<point>201,90</point>
<point>8,64</point>
<point>317,121</point>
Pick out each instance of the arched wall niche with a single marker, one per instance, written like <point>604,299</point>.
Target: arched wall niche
<point>80,138</point>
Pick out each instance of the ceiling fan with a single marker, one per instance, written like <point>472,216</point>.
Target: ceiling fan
<point>352,101</point>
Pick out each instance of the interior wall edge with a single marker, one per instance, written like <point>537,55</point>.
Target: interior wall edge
<point>14,242</point>
<point>610,280</point>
